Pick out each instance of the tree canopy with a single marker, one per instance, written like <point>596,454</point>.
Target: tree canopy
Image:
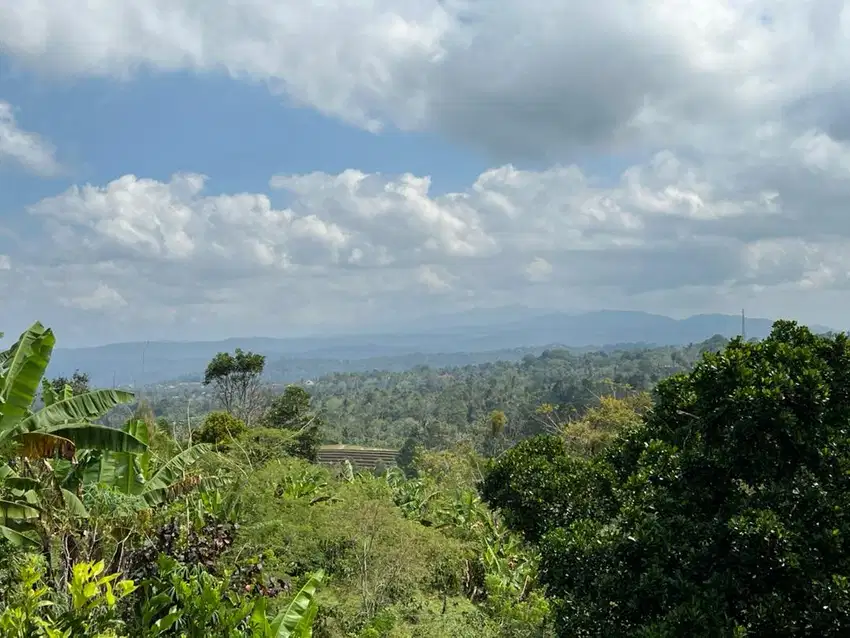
<point>724,512</point>
<point>236,381</point>
<point>292,411</point>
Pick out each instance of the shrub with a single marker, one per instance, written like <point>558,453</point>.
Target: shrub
<point>219,427</point>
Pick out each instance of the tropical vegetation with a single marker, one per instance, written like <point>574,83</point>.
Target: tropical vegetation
<point>697,491</point>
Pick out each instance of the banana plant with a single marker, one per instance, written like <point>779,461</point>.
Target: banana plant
<point>20,508</point>
<point>143,475</point>
<point>296,619</point>
<point>65,423</point>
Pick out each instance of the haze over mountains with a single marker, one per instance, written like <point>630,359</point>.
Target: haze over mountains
<point>473,337</point>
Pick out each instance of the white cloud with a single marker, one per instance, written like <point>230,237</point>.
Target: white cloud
<point>101,298</point>
<point>671,234</point>
<point>731,116</point>
<point>516,77</point>
<point>22,147</point>
<point>538,270</point>
<point>433,280</point>
<point>5,262</point>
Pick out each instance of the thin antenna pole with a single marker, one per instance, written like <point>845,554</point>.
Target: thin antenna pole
<point>743,325</point>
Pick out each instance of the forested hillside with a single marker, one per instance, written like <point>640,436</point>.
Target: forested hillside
<point>548,498</point>
<point>444,405</point>
<point>485,335</point>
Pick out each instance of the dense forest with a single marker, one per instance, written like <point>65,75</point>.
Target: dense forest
<point>696,491</point>
<point>442,406</point>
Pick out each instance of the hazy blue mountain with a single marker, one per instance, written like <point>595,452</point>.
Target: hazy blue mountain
<point>472,337</point>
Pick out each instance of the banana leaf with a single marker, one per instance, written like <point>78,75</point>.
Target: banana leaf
<point>295,621</point>
<point>23,367</point>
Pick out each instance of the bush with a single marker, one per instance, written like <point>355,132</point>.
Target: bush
<point>219,427</point>
<point>291,411</point>
<point>375,557</point>
<point>262,445</point>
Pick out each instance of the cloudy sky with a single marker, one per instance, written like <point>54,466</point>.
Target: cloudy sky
<point>208,168</point>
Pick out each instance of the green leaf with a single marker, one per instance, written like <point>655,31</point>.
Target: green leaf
<point>20,483</point>
<point>23,367</point>
<point>75,410</point>
<point>19,538</point>
<point>295,621</point>
<point>12,512</point>
<point>74,505</point>
<point>89,436</point>
<point>48,394</point>
<point>172,471</point>
<point>139,429</point>
<point>98,468</point>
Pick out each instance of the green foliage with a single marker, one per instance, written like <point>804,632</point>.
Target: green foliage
<point>376,558</point>
<point>500,570</point>
<point>440,407</point>
<point>291,411</point>
<point>220,427</point>
<point>297,618</point>
<point>717,511</point>
<point>235,379</point>
<point>77,382</point>
<point>91,610</point>
<point>600,425</point>
<point>56,458</point>
<point>93,600</point>
<point>189,602</point>
<point>260,445</point>
<point>724,513</point>
<point>152,478</point>
<point>65,423</point>
<point>20,508</point>
<point>37,507</point>
<point>436,408</point>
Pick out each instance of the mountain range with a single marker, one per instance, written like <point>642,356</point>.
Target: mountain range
<point>474,337</point>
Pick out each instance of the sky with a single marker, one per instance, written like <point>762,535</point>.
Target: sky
<point>188,169</point>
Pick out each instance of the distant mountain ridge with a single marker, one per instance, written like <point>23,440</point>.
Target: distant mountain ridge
<point>507,337</point>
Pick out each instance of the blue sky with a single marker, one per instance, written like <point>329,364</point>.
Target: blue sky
<point>172,170</point>
<point>237,133</point>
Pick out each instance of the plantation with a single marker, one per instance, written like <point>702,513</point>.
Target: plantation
<point>367,458</point>
<point>713,505</point>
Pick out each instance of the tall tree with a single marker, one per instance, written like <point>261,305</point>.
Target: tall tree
<point>292,411</point>
<point>237,382</point>
<point>726,512</point>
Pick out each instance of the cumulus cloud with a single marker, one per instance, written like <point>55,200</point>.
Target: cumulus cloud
<point>703,232</point>
<point>729,118</point>
<point>22,147</point>
<point>101,298</point>
<point>518,77</point>
<point>433,280</point>
<point>538,269</point>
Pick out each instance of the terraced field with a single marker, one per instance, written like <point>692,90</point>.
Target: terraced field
<point>365,458</point>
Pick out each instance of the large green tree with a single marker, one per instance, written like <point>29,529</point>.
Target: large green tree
<point>236,380</point>
<point>292,411</point>
<point>726,512</point>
